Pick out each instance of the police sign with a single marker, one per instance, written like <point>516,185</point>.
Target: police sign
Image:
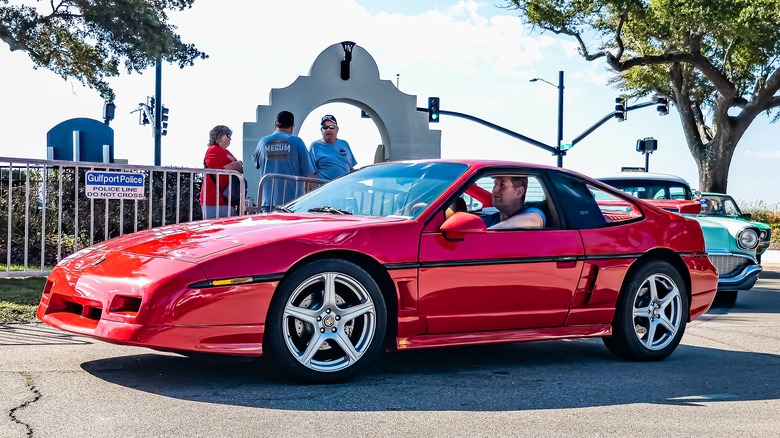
<point>115,185</point>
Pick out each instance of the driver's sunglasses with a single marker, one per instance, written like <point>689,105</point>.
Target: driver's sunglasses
<point>325,128</point>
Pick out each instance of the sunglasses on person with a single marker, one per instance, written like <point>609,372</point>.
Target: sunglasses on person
<point>229,136</point>
<point>325,128</point>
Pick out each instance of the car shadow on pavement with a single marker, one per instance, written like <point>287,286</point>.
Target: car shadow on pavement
<point>756,300</point>
<point>539,375</point>
<point>773,274</point>
<point>37,334</point>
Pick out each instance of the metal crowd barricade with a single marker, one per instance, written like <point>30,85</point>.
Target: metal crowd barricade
<point>46,214</point>
<point>279,189</point>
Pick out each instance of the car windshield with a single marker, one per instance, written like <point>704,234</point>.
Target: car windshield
<point>719,205</point>
<point>392,189</point>
<point>651,189</point>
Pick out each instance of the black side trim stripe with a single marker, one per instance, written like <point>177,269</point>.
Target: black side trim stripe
<point>453,263</point>
<point>394,266</point>
<point>507,261</point>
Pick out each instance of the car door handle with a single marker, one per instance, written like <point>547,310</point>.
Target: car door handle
<point>566,262</point>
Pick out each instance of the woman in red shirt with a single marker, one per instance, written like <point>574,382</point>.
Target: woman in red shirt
<point>213,203</point>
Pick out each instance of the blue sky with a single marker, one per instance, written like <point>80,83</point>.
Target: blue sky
<point>478,58</point>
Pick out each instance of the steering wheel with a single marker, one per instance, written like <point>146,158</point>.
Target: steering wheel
<point>417,208</point>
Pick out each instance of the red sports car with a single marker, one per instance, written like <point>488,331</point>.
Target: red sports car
<point>396,256</point>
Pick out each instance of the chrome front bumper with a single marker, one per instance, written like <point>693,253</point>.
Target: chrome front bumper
<point>735,271</point>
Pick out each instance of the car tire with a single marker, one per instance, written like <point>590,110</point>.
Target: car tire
<point>326,323</point>
<point>726,298</point>
<point>650,315</point>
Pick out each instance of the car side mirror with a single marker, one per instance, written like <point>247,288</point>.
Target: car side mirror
<point>746,216</point>
<point>459,224</point>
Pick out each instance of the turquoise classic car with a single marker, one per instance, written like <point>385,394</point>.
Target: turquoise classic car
<point>731,242</point>
<point>722,205</point>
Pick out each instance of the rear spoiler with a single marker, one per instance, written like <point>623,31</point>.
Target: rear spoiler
<point>680,206</point>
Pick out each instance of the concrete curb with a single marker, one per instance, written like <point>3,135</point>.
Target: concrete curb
<point>771,257</point>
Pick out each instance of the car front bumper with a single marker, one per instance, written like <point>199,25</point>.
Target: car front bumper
<point>735,271</point>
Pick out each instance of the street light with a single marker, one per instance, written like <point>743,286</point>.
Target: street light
<point>558,152</point>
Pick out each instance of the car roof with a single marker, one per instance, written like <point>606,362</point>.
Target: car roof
<point>643,176</point>
<point>480,163</point>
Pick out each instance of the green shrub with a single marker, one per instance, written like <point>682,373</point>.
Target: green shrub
<point>761,211</point>
<point>769,214</point>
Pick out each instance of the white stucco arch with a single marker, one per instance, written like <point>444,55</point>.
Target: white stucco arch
<point>403,130</point>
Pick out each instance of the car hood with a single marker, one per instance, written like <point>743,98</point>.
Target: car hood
<point>720,233</point>
<point>195,240</point>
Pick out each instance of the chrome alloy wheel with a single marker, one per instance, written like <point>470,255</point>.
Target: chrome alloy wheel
<point>329,321</point>
<point>657,312</point>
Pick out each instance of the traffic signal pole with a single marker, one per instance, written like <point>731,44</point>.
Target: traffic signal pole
<point>558,150</point>
<point>607,118</point>
<point>500,129</point>
<point>158,112</point>
<point>554,150</point>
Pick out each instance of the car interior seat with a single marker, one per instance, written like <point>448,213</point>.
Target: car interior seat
<point>550,217</point>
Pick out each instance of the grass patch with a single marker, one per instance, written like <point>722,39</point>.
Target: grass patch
<point>19,298</point>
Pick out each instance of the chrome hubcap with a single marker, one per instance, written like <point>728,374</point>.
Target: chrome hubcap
<point>329,321</point>
<point>657,311</point>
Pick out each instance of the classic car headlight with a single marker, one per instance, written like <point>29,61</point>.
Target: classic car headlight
<point>764,235</point>
<point>747,239</point>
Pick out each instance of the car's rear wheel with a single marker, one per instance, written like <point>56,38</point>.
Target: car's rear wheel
<point>726,297</point>
<point>650,315</point>
<point>327,322</point>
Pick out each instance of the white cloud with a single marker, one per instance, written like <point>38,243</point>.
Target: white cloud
<point>762,155</point>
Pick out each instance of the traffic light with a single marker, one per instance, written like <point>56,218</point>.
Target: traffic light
<point>646,145</point>
<point>143,118</point>
<point>663,106</point>
<point>150,105</point>
<point>620,108</point>
<point>433,109</point>
<point>164,114</point>
<point>109,111</point>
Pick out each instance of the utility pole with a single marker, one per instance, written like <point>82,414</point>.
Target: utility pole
<point>158,112</point>
<point>560,118</point>
<point>558,152</point>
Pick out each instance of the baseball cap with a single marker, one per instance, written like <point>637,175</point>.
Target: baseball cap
<point>328,117</point>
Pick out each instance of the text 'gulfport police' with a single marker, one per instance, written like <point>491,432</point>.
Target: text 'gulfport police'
<point>132,179</point>
<point>115,185</point>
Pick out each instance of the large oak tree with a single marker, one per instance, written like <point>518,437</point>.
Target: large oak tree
<point>87,40</point>
<point>716,60</point>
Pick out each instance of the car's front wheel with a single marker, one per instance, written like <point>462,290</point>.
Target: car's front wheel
<point>650,315</point>
<point>327,322</point>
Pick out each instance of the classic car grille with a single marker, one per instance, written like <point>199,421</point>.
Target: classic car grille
<point>728,265</point>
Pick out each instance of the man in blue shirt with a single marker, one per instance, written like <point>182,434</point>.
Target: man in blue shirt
<point>285,154</point>
<point>509,200</point>
<point>331,155</point>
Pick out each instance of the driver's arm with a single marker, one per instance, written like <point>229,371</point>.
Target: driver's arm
<point>531,219</point>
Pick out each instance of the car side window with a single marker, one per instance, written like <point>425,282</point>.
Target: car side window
<point>586,206</point>
<point>535,197</point>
